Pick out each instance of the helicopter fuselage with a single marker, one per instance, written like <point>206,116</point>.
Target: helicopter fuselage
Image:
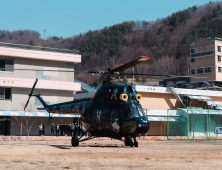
<point>107,114</point>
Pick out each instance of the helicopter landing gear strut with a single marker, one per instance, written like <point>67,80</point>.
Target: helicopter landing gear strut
<point>75,141</point>
<point>135,142</point>
<point>129,142</point>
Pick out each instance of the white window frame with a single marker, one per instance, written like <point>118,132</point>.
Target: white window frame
<point>12,68</point>
<point>4,89</point>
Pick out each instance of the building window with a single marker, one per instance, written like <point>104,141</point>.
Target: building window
<point>200,70</point>
<point>208,70</point>
<point>5,93</point>
<point>218,48</point>
<point>192,50</point>
<point>192,60</point>
<point>6,65</point>
<point>193,71</point>
<point>219,58</point>
<point>219,69</point>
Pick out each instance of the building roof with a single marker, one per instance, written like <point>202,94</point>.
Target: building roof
<point>182,91</point>
<point>85,86</point>
<point>40,53</point>
<point>39,48</point>
<point>33,114</point>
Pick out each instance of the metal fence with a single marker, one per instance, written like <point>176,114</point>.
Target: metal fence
<point>198,123</point>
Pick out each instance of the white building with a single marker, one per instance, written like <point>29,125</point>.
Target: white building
<point>15,85</point>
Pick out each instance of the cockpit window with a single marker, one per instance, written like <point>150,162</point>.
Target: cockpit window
<point>134,112</point>
<point>140,110</point>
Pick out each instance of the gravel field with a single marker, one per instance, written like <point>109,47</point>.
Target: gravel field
<point>111,154</point>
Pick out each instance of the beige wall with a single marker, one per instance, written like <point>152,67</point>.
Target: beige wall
<point>156,128</point>
<point>164,101</point>
<point>205,61</point>
<point>20,97</point>
<point>159,101</point>
<point>209,76</point>
<point>22,63</point>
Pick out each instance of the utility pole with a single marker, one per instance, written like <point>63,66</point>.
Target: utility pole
<point>133,76</point>
<point>44,34</point>
<point>38,38</point>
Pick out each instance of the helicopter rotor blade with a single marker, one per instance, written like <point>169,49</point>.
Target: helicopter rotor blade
<point>157,75</point>
<point>130,64</point>
<point>135,74</point>
<point>31,94</point>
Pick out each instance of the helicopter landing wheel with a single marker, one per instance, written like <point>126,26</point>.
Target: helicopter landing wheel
<point>135,142</point>
<point>75,141</point>
<point>128,141</point>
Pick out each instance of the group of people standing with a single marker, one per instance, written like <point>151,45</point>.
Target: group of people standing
<point>41,130</point>
<point>66,129</point>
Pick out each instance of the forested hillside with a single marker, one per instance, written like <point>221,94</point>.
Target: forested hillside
<point>166,40</point>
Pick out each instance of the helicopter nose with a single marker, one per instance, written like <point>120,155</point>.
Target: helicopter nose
<point>143,128</point>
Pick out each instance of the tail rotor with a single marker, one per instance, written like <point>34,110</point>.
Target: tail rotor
<point>31,93</point>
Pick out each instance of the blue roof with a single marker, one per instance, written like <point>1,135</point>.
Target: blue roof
<point>199,97</point>
<point>37,114</point>
<point>172,119</point>
<point>85,86</point>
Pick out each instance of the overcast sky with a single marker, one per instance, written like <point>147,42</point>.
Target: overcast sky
<point>70,17</point>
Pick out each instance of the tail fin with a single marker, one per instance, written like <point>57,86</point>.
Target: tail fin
<point>41,100</point>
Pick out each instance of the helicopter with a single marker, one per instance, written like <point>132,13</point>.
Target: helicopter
<point>113,111</point>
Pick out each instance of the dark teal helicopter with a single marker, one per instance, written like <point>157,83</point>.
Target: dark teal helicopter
<point>113,111</point>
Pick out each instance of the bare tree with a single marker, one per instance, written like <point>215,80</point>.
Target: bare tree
<point>27,121</point>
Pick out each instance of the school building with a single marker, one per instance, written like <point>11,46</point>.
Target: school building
<point>15,85</point>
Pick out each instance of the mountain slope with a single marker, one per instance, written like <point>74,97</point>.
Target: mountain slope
<point>165,40</point>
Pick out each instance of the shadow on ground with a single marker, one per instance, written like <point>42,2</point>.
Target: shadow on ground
<point>100,146</point>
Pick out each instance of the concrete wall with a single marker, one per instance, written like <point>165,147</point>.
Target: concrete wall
<point>20,97</point>
<point>23,63</point>
<point>156,128</point>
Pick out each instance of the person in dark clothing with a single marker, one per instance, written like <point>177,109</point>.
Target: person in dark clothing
<point>40,130</point>
<point>72,129</point>
<point>43,130</point>
<point>61,129</point>
<point>80,130</point>
<point>65,129</point>
<point>76,129</point>
<point>68,129</point>
<point>52,129</point>
<point>57,130</point>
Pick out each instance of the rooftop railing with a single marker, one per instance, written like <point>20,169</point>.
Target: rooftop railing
<point>39,48</point>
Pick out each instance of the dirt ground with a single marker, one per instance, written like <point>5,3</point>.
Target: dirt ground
<point>111,154</point>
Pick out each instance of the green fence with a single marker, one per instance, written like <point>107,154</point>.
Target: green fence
<point>193,123</point>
